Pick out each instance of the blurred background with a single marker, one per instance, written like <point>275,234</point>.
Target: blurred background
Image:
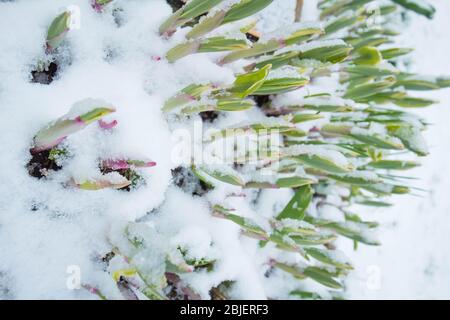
<point>414,259</point>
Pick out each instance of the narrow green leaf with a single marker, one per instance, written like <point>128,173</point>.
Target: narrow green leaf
<point>421,7</point>
<point>393,164</point>
<point>247,83</point>
<point>322,276</point>
<point>297,206</point>
<point>326,256</point>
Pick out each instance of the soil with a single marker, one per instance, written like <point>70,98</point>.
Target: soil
<point>261,101</point>
<point>45,76</point>
<point>176,4</point>
<point>40,165</point>
<point>251,37</point>
<point>209,116</point>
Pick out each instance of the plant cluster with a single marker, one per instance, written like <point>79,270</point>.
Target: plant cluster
<point>344,145</point>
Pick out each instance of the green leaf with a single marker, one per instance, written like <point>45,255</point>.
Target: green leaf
<point>58,30</point>
<point>352,230</point>
<point>238,11</point>
<point>321,163</point>
<point>293,182</point>
<point>206,25</point>
<point>297,206</point>
<point>358,42</point>
<point>412,138</point>
<point>413,102</point>
<point>244,9</point>
<point>421,7</point>
<point>182,50</point>
<point>293,270</point>
<point>218,44</point>
<point>340,6</point>
<point>393,164</point>
<point>304,117</point>
<point>195,8</point>
<point>313,240</point>
<point>276,61</point>
<point>370,71</point>
<point>414,82</point>
<point>360,178</point>
<point>191,10</point>
<point>305,295</point>
<point>94,185</point>
<point>281,85</point>
<point>366,90</point>
<point>368,56</point>
<point>234,104</point>
<point>247,83</point>
<point>187,95</point>
<point>392,53</point>
<point>325,256</point>
<point>326,51</point>
<point>341,22</point>
<point>243,222</point>
<point>229,177</point>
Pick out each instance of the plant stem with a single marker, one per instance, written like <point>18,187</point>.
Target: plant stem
<point>298,10</point>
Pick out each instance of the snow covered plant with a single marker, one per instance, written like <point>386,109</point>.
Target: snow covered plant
<point>306,125</point>
<point>49,152</point>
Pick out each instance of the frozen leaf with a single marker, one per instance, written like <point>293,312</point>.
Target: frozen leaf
<point>393,164</point>
<point>325,256</point>
<point>229,176</point>
<point>188,94</point>
<point>392,53</point>
<point>101,184</point>
<point>247,83</point>
<point>322,163</point>
<point>58,30</point>
<point>303,32</point>
<point>58,130</point>
<point>367,56</point>
<point>214,44</point>
<point>421,7</point>
<point>293,182</point>
<point>365,90</point>
<point>322,276</point>
<point>297,206</point>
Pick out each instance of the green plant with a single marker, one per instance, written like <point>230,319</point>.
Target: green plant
<point>360,128</point>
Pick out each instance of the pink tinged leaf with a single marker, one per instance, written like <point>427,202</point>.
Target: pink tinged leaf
<point>107,125</point>
<point>53,134</point>
<point>57,131</point>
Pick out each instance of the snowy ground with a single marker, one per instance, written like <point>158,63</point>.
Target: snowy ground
<point>38,246</point>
